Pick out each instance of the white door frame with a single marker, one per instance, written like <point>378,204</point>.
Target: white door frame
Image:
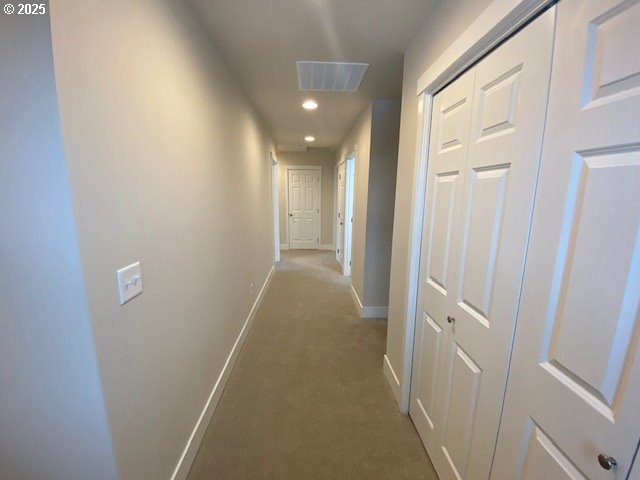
<point>349,196</point>
<point>336,207</point>
<point>317,168</point>
<point>275,207</point>
<point>497,23</point>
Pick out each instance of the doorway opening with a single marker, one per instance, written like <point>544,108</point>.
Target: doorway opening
<point>303,207</point>
<point>344,218</point>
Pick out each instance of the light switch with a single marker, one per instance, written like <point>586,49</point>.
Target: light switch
<point>129,282</point>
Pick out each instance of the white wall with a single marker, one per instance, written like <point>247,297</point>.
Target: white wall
<point>445,23</point>
<point>169,165</point>
<point>321,157</point>
<point>52,418</point>
<point>374,138</point>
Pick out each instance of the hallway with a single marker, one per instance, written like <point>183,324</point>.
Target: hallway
<point>307,397</point>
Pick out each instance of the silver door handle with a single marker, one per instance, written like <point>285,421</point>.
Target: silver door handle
<point>607,462</point>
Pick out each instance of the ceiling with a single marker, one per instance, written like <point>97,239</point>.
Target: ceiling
<point>262,40</point>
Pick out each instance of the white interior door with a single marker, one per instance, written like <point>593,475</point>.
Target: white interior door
<point>304,208</point>
<point>447,160</point>
<point>340,222</point>
<point>574,386</point>
<point>476,243</point>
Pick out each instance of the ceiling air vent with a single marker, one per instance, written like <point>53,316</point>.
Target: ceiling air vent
<point>330,76</point>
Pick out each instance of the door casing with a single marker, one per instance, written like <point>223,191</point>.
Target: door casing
<point>349,195</point>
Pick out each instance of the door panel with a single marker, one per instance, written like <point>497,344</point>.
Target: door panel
<point>575,371</point>
<point>431,343</point>
<point>451,118</point>
<point>304,204</point>
<point>543,460</point>
<point>599,357</point>
<point>445,195</point>
<point>498,104</point>
<point>459,411</point>
<point>486,196</point>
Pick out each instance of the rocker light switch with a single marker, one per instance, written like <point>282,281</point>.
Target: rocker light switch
<point>129,282</point>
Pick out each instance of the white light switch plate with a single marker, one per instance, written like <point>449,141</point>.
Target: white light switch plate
<point>129,282</point>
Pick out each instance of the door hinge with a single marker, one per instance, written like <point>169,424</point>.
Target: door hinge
<point>318,210</point>
<point>349,262</point>
<point>338,252</point>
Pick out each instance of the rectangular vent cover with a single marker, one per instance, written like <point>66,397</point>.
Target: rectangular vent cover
<point>330,76</point>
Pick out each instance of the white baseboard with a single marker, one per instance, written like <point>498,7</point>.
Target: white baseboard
<point>356,299</point>
<point>184,464</point>
<point>391,377</point>
<point>368,311</point>
<point>284,246</point>
<point>327,247</point>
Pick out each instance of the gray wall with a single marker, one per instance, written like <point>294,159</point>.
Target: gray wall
<point>314,157</point>
<point>169,164</point>
<point>52,418</point>
<point>359,140</point>
<point>445,23</point>
<point>374,138</point>
<point>385,128</point>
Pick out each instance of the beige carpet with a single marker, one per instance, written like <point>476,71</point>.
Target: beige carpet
<point>307,398</point>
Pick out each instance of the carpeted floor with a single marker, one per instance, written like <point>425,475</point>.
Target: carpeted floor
<point>307,398</point>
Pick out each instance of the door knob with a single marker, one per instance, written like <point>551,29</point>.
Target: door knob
<point>607,462</point>
<point>451,319</point>
<point>341,223</point>
<point>291,214</point>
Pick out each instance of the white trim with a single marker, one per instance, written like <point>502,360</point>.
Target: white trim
<point>375,312</point>
<point>413,257</point>
<point>186,459</point>
<point>349,199</point>
<point>275,206</point>
<point>497,23</point>
<point>391,376</point>
<point>356,299</point>
<point>336,220</point>
<point>318,168</point>
<point>500,20</point>
<point>328,246</point>
<point>368,311</point>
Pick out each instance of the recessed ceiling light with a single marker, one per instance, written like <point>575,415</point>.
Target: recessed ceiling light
<point>310,105</point>
<point>309,138</point>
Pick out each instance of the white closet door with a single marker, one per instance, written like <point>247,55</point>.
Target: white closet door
<point>574,386</point>
<point>447,162</point>
<point>488,243</point>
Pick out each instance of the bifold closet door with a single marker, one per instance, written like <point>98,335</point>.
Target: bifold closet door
<point>573,399</point>
<point>486,243</point>
<point>447,164</point>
